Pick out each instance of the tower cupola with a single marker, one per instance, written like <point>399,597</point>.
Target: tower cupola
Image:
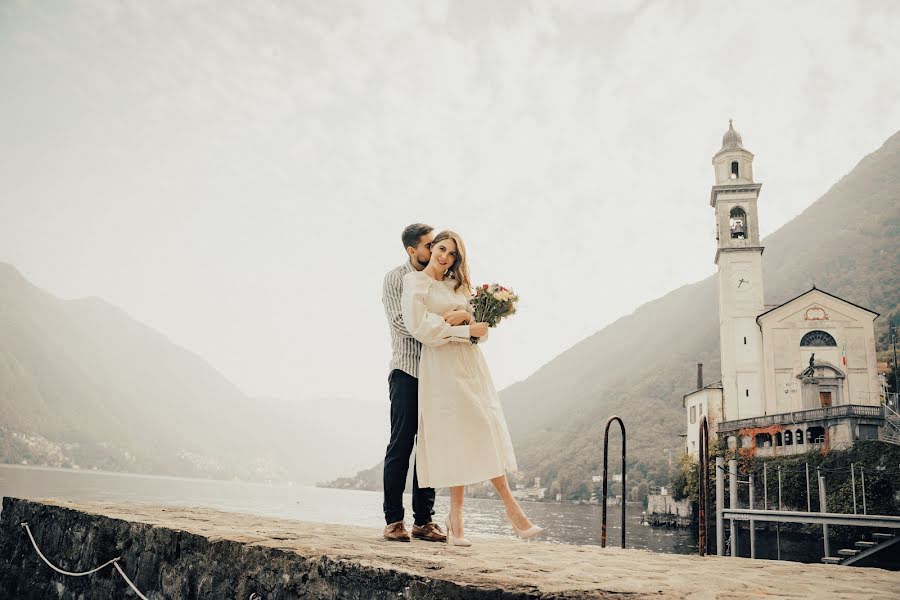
<point>733,162</point>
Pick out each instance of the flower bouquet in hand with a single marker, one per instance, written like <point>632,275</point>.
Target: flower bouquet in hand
<point>493,303</point>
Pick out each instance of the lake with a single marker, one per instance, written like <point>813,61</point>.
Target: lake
<point>565,523</point>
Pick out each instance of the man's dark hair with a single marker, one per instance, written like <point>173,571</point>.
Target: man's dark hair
<point>413,233</point>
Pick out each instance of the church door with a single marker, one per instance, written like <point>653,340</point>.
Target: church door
<point>825,398</point>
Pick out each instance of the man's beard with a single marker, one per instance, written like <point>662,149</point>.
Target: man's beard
<point>423,263</point>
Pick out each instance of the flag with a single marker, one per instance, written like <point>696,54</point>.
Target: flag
<point>843,355</point>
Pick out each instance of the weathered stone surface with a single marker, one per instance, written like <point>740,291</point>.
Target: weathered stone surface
<point>203,554</point>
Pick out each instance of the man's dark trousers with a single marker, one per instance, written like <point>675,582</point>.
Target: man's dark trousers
<point>404,391</point>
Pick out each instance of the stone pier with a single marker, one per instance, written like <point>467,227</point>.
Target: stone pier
<point>203,554</point>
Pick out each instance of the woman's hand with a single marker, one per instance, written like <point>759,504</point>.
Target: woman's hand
<point>478,329</point>
<point>457,317</point>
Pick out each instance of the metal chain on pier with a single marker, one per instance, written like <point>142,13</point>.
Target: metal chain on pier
<point>114,562</point>
<point>605,472</point>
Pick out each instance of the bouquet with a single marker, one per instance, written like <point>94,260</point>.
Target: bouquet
<point>493,303</point>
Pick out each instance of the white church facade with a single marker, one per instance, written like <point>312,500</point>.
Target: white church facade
<point>795,377</point>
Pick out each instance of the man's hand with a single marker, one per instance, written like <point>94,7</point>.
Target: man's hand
<point>457,317</point>
<point>478,329</point>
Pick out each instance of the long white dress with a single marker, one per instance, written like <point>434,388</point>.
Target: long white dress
<point>462,436</point>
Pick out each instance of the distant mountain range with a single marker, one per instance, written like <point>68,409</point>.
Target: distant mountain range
<point>84,385</point>
<point>639,367</point>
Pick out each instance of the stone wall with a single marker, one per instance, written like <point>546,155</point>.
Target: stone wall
<point>176,565</point>
<point>666,511</point>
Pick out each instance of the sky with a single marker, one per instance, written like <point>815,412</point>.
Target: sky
<point>236,174</point>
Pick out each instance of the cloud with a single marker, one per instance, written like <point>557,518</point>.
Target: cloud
<point>260,159</point>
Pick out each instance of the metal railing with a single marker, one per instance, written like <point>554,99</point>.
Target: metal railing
<point>804,416</point>
<point>605,478</point>
<point>703,517</point>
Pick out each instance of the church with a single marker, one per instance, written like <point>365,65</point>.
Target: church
<point>796,377</point>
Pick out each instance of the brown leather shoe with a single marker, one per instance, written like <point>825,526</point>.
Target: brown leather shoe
<point>396,532</point>
<point>430,532</point>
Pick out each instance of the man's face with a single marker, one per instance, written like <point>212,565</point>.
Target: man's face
<point>423,250</point>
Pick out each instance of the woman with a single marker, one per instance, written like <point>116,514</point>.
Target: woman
<point>462,436</point>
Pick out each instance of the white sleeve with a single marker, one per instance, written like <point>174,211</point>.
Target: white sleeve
<point>427,327</point>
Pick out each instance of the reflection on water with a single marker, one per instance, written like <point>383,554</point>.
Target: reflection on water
<point>565,523</point>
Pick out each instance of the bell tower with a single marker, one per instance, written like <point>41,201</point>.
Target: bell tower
<point>739,258</point>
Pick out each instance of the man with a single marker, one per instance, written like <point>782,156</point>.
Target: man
<point>403,384</point>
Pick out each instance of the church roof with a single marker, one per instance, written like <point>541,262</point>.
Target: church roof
<point>815,289</point>
<point>732,139</point>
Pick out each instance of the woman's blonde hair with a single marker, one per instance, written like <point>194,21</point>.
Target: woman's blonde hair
<point>460,269</point>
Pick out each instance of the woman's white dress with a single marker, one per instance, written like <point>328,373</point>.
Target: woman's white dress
<point>462,436</point>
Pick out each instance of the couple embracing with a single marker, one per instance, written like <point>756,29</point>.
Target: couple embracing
<point>443,400</point>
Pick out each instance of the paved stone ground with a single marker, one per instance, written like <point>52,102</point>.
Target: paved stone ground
<point>533,569</point>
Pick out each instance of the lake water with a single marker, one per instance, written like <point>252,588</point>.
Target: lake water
<point>565,523</point>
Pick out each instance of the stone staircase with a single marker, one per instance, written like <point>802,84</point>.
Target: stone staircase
<point>849,556</point>
<point>891,431</point>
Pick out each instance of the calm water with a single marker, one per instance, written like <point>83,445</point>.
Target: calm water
<point>565,523</point>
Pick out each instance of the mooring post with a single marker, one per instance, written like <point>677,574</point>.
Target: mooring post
<point>720,506</point>
<point>605,473</point>
<point>752,521</point>
<point>732,502</point>
<point>823,507</point>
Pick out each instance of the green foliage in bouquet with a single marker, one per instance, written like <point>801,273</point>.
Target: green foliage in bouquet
<point>492,303</point>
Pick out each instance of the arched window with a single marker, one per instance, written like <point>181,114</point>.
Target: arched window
<point>815,435</point>
<point>778,440</point>
<point>763,440</point>
<point>799,437</point>
<point>817,338</point>
<point>738,223</point>
<point>788,438</point>
<point>734,170</point>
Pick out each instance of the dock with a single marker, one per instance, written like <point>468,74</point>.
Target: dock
<point>188,552</point>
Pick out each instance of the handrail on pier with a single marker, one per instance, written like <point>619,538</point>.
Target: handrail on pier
<point>703,517</point>
<point>605,483</point>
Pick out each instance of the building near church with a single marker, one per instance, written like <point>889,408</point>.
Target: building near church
<point>795,377</point>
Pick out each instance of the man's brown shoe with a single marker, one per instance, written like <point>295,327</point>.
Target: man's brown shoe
<point>430,532</point>
<point>396,532</point>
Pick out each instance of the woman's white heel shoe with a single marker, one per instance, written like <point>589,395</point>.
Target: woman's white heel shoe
<point>451,539</point>
<point>525,534</point>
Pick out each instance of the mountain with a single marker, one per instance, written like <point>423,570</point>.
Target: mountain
<point>83,384</point>
<point>640,366</point>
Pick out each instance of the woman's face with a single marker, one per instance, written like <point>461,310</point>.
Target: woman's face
<point>443,255</point>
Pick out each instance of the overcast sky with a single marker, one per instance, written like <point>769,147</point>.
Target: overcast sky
<point>236,174</point>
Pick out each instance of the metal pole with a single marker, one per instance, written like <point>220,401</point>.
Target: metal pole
<point>720,505</point>
<point>853,483</point>
<point>703,517</point>
<point>808,498</point>
<point>778,525</point>
<point>862,477</point>
<point>732,502</point>
<point>766,485</point>
<point>752,522</point>
<point>823,507</point>
<point>896,368</point>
